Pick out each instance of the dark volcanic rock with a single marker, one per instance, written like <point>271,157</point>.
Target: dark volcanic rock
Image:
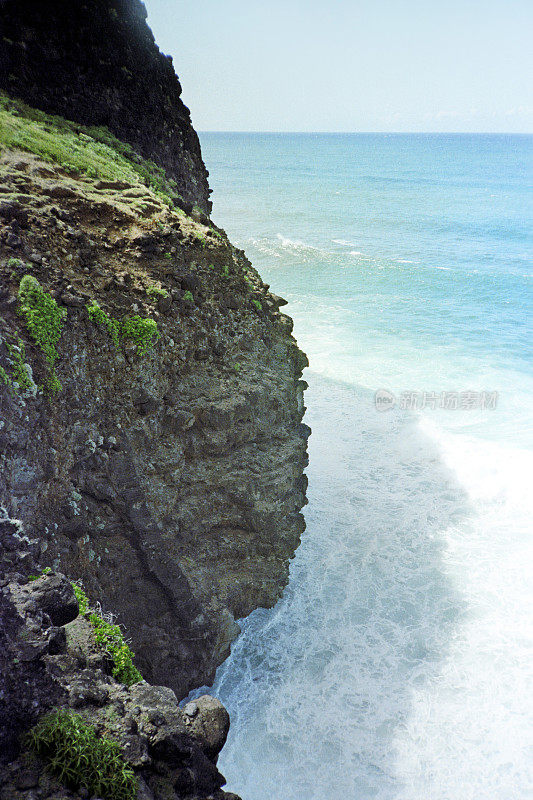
<point>96,63</point>
<point>171,482</point>
<point>172,757</point>
<point>54,595</point>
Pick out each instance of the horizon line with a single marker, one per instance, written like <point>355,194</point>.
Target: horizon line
<point>373,133</point>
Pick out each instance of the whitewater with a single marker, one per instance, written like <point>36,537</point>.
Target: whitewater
<point>397,665</point>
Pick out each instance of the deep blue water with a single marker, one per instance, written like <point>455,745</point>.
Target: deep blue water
<point>396,666</point>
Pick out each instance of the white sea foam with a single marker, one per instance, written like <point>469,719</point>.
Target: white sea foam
<point>292,244</point>
<point>396,667</point>
<point>344,242</point>
<point>398,664</point>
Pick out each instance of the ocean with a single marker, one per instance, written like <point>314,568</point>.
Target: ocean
<point>398,664</point>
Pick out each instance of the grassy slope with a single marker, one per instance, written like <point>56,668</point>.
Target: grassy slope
<point>94,152</point>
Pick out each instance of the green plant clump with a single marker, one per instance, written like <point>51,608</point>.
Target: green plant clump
<point>188,296</point>
<point>80,759</point>
<point>141,331</point>
<point>45,571</point>
<point>4,377</point>
<point>19,372</point>
<point>44,320</point>
<point>111,639</point>
<point>101,317</point>
<point>155,291</point>
<point>257,304</point>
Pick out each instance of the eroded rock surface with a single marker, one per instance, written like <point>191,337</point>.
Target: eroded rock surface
<point>171,482</point>
<point>44,667</point>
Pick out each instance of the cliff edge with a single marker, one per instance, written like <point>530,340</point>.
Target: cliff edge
<point>150,399</point>
<point>97,63</point>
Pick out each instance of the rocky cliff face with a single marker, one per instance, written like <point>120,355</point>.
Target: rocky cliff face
<point>96,62</point>
<point>151,403</point>
<point>50,660</point>
<point>170,480</point>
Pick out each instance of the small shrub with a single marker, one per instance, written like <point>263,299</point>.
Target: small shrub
<point>142,332</point>
<point>101,317</point>
<point>188,296</point>
<point>111,639</point>
<point>257,304</point>
<point>225,271</point>
<point>80,759</point>
<point>44,320</point>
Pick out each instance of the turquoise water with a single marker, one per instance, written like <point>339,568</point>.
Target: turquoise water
<point>397,664</point>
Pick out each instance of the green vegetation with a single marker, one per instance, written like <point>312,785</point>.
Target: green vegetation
<point>15,263</point>
<point>257,304</point>
<point>79,758</point>
<point>4,377</point>
<point>19,370</point>
<point>225,271</point>
<point>92,151</point>
<point>44,320</point>
<point>155,292</point>
<point>101,317</point>
<point>111,639</point>
<point>83,600</point>
<point>45,571</point>
<point>188,296</point>
<point>141,331</point>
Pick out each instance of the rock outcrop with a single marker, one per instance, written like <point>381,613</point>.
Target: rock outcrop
<point>96,62</point>
<point>170,481</point>
<point>50,660</point>
<point>151,404</point>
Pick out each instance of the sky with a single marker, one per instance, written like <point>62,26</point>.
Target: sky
<point>351,65</point>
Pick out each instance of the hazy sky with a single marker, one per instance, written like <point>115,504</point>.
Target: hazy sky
<point>351,65</point>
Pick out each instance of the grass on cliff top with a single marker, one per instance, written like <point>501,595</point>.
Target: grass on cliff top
<point>94,152</point>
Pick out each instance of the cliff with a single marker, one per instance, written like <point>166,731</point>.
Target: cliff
<point>97,63</point>
<point>156,445</point>
<point>151,442</point>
